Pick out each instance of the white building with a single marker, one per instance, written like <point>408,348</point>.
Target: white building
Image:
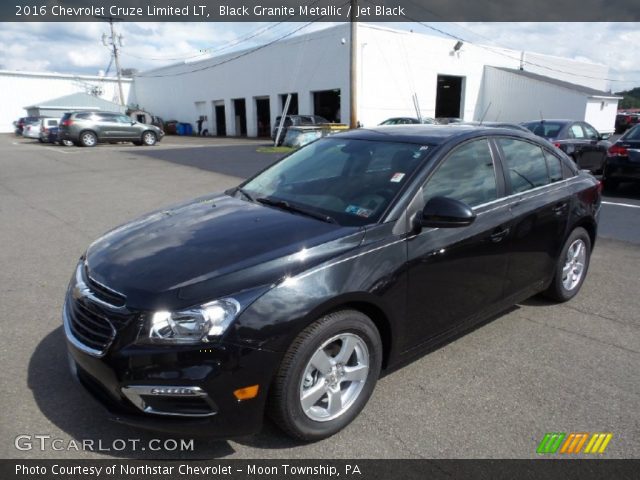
<point>19,90</point>
<point>242,93</point>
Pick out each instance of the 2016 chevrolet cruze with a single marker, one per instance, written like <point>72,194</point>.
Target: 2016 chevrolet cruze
<point>290,293</point>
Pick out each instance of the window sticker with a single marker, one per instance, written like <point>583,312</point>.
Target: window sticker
<point>397,177</point>
<point>359,211</point>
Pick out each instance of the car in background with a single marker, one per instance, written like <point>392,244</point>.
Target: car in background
<point>622,163</point>
<point>513,126</point>
<point>289,293</point>
<point>579,140</point>
<point>448,120</point>
<point>21,122</point>
<point>31,129</point>
<point>408,121</point>
<point>295,121</point>
<point>624,121</point>
<point>87,129</point>
<point>46,124</point>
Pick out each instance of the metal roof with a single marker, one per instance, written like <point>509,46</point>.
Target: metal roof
<point>592,92</point>
<point>76,101</point>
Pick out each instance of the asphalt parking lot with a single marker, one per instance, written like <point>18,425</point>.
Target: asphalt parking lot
<point>493,393</point>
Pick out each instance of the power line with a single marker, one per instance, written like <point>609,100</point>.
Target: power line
<point>493,50</point>
<point>240,55</point>
<point>210,50</point>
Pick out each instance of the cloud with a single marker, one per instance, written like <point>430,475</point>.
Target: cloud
<point>76,47</point>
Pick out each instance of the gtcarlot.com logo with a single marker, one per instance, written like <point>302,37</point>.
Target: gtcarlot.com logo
<point>574,443</point>
<point>43,443</point>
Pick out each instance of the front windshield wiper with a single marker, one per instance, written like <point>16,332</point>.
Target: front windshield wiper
<point>283,204</point>
<point>245,193</point>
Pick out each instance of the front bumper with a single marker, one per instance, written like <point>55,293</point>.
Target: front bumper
<point>178,389</point>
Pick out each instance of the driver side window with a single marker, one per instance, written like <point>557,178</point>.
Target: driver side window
<point>467,175</point>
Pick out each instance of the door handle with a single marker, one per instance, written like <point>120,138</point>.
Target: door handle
<point>499,234</point>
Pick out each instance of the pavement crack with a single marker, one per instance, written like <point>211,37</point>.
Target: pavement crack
<point>600,315</point>
<point>581,335</point>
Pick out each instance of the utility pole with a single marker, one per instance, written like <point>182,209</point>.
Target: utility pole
<point>113,42</point>
<point>353,89</point>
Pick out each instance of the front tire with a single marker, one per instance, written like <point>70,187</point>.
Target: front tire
<point>149,139</point>
<point>571,267</point>
<point>326,376</point>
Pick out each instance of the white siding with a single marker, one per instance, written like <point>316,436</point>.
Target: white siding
<point>23,89</point>
<point>601,113</point>
<point>313,62</point>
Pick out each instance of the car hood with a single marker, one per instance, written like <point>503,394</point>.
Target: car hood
<point>208,248</point>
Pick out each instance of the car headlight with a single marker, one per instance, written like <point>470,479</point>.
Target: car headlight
<point>192,326</point>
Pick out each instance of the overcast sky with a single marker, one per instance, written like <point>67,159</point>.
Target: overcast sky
<point>77,47</point>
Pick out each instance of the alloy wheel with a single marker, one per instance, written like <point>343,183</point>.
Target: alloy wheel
<point>574,264</point>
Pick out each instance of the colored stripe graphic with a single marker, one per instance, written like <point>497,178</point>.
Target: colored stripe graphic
<point>550,443</point>
<point>598,443</point>
<point>573,443</point>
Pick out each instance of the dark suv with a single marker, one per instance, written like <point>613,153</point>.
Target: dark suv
<point>90,128</point>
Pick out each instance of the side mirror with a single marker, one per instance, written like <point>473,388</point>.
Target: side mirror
<point>605,136</point>
<point>445,212</point>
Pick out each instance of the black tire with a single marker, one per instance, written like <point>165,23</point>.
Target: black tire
<point>285,402</point>
<point>149,139</point>
<point>88,139</point>
<point>558,290</point>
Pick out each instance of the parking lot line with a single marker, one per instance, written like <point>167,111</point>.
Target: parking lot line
<point>621,204</point>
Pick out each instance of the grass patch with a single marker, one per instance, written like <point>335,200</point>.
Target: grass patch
<point>275,149</point>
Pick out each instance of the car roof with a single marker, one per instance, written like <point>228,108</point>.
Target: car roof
<point>550,120</point>
<point>428,134</point>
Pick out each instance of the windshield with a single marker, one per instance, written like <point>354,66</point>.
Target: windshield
<point>545,129</point>
<point>350,182</point>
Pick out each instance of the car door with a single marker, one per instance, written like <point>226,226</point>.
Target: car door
<point>457,274</point>
<point>107,126</point>
<point>595,151</point>
<point>539,204</point>
<point>127,129</point>
<point>577,145</point>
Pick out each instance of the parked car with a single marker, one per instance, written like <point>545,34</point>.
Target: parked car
<point>622,163</point>
<point>448,120</point>
<point>87,129</point>
<point>31,129</point>
<point>513,126</point>
<point>579,140</point>
<point>625,121</point>
<point>297,121</point>
<point>409,121</point>
<point>54,138</point>
<point>21,122</point>
<point>290,293</point>
<point>46,124</point>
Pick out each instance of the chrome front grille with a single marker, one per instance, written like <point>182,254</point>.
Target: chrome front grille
<point>93,314</point>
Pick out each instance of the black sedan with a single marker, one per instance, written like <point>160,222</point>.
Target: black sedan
<point>579,140</point>
<point>623,160</point>
<point>292,292</point>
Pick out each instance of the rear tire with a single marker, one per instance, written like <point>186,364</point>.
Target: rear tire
<point>88,139</point>
<point>571,267</point>
<point>327,376</point>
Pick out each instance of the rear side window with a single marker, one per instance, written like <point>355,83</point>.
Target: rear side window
<point>526,164</point>
<point>554,167</point>
<point>81,116</point>
<point>467,174</point>
<point>576,131</point>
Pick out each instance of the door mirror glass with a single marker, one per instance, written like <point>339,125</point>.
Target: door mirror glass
<point>605,136</point>
<point>444,212</point>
